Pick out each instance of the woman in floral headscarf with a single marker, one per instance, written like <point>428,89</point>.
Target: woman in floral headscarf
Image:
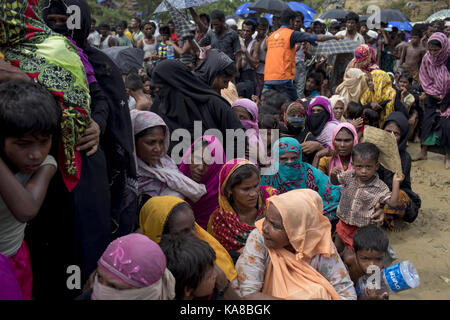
<point>365,59</point>
<point>381,93</point>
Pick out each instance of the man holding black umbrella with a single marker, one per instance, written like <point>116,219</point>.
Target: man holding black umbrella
<point>279,72</point>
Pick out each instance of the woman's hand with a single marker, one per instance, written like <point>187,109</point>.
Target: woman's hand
<point>375,106</point>
<point>90,139</point>
<point>357,123</point>
<point>336,170</point>
<point>9,72</point>
<point>372,294</point>
<point>327,152</point>
<point>309,147</point>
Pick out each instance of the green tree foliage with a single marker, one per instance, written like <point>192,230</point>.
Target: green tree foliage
<point>108,15</point>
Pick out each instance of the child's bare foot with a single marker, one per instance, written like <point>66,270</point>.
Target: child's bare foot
<point>447,163</point>
<point>420,156</point>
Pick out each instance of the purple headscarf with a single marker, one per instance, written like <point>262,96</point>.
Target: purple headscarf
<point>253,135</point>
<point>9,287</point>
<point>325,136</point>
<point>204,207</point>
<point>252,108</point>
<point>135,260</point>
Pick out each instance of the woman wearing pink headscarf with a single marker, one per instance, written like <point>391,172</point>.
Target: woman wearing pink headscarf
<point>202,163</point>
<point>339,155</point>
<point>132,267</point>
<point>435,80</point>
<point>247,112</point>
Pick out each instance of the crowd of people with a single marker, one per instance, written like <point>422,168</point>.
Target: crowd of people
<point>93,175</point>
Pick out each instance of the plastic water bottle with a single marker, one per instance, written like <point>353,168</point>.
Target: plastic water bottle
<point>170,52</point>
<point>398,277</point>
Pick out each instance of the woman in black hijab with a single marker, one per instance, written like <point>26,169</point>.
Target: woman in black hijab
<point>397,123</point>
<point>185,96</point>
<point>78,226</point>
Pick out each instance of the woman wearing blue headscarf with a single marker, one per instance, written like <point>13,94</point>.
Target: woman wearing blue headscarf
<point>293,174</point>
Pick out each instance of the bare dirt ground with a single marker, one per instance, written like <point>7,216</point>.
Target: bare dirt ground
<point>426,241</point>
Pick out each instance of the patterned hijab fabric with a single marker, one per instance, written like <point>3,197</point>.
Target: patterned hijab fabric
<point>139,262</point>
<point>383,91</point>
<point>224,223</point>
<point>365,59</point>
<point>300,175</point>
<point>53,61</point>
<point>434,76</point>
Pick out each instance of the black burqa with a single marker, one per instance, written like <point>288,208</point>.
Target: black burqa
<point>187,97</point>
<point>75,228</point>
<point>387,176</point>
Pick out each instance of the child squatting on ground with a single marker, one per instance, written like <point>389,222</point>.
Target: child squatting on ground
<point>28,118</point>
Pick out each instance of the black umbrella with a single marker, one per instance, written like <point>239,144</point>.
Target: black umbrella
<point>334,14</point>
<point>269,6</point>
<point>392,15</point>
<point>126,58</point>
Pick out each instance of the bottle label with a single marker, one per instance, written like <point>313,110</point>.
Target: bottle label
<point>395,279</point>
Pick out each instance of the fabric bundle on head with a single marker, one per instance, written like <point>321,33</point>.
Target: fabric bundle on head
<point>383,91</point>
<point>153,219</point>
<point>163,178</point>
<point>434,75</point>
<point>209,202</point>
<point>309,233</point>
<point>137,261</point>
<point>53,61</point>
<point>301,175</point>
<point>365,59</point>
<point>322,124</point>
<point>334,100</point>
<point>353,86</point>
<point>224,224</point>
<point>335,161</point>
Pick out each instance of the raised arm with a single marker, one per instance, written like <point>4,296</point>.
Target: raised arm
<point>24,202</point>
<point>201,26</point>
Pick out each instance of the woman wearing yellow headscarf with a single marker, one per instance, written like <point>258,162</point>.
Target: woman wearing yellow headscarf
<point>290,254</point>
<point>155,220</point>
<point>381,91</point>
